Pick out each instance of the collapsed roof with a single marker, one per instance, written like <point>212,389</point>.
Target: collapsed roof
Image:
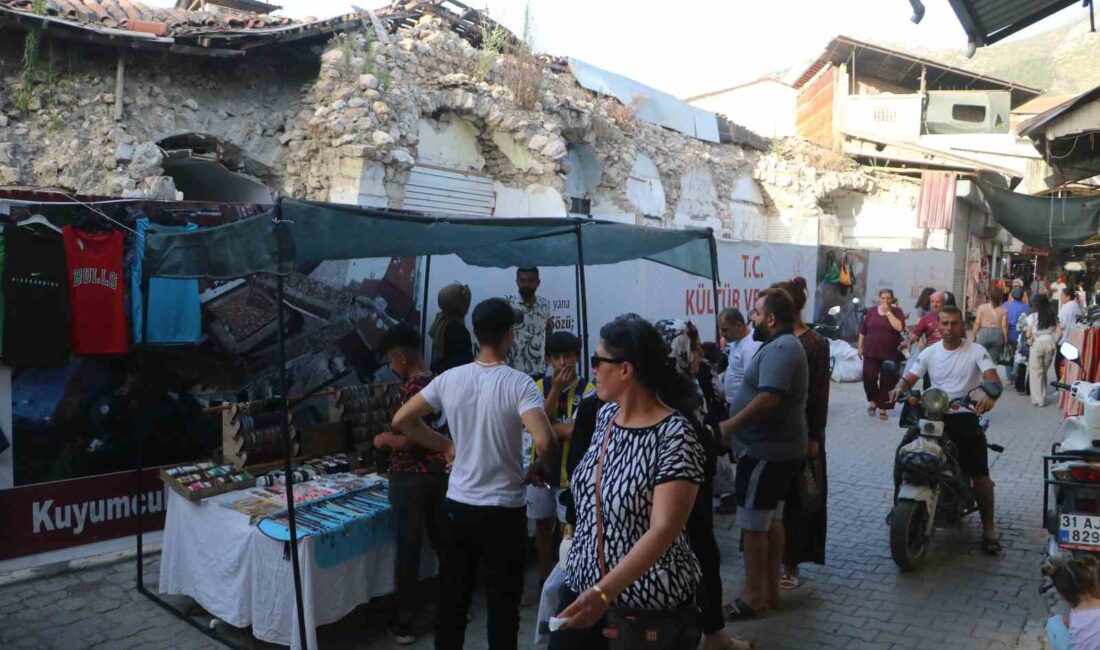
<point>225,34</point>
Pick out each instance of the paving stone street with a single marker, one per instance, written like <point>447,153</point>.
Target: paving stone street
<point>961,599</point>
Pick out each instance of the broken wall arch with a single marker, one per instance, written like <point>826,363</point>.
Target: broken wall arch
<point>697,206</point>
<point>644,189</point>
<point>747,210</point>
<point>204,168</point>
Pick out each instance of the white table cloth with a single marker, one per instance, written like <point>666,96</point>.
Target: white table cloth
<point>240,575</point>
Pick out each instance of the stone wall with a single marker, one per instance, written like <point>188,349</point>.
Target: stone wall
<point>364,120</point>
<point>347,121</point>
<point>68,138</point>
<point>854,205</point>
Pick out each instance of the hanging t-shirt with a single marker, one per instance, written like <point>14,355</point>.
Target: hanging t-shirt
<point>96,298</point>
<point>174,315</point>
<point>36,297</point>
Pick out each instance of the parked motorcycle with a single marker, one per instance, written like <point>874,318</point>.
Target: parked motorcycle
<point>1071,490</point>
<point>830,325</point>
<point>930,486</point>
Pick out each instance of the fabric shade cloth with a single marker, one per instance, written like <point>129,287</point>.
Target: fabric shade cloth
<point>1047,222</point>
<point>310,231</point>
<point>1087,342</point>
<point>936,203</point>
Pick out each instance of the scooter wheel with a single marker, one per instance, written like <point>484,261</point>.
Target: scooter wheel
<point>908,536</point>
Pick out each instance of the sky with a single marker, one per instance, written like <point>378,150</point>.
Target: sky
<point>691,47</point>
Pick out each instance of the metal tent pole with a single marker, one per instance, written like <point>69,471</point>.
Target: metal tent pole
<point>583,291</point>
<point>289,452</point>
<point>424,307</point>
<point>139,444</point>
<point>139,435</point>
<point>714,285</point>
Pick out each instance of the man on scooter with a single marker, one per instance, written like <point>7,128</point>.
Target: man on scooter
<point>958,366</point>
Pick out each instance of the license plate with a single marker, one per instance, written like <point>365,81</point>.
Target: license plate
<point>1079,531</point>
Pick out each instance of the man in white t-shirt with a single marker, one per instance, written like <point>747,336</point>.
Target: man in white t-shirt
<point>958,366</point>
<point>742,347</point>
<point>487,405</point>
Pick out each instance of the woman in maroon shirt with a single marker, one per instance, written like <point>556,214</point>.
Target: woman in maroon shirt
<point>807,524</point>
<point>879,338</point>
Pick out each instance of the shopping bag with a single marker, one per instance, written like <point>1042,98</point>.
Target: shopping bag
<point>549,603</point>
<point>724,476</point>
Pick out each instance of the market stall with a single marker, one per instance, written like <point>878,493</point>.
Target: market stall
<point>244,585</point>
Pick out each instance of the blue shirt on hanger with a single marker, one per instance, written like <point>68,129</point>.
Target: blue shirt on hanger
<point>174,313</point>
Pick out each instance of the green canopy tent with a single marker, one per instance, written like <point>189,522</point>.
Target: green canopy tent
<point>297,232</point>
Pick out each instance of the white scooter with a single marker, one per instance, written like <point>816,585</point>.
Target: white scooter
<point>1071,494</point>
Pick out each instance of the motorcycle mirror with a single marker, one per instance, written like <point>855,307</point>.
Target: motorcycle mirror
<point>1069,351</point>
<point>834,310</point>
<point>890,367</point>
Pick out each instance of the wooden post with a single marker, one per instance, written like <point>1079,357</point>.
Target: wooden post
<point>120,74</point>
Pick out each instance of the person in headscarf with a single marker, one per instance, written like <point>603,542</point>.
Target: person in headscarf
<point>686,355</point>
<point>451,344</point>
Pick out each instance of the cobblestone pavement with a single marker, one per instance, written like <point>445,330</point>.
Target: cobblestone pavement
<point>961,599</point>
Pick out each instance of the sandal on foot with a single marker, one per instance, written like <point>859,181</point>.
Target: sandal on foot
<point>991,546</point>
<point>739,611</point>
<point>883,415</point>
<point>788,582</point>
<point>871,410</point>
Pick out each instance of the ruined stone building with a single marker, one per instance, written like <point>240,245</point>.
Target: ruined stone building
<point>410,107</point>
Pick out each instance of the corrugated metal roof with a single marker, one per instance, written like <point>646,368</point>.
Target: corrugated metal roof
<point>1034,127</point>
<point>988,21</point>
<point>1041,104</point>
<point>904,69</point>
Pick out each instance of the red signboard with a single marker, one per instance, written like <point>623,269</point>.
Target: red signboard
<point>51,516</point>
<point>1034,250</point>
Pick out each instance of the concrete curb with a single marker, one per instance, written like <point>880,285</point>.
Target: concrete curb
<point>71,566</point>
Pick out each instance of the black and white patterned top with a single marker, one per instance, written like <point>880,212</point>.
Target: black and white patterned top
<point>637,461</point>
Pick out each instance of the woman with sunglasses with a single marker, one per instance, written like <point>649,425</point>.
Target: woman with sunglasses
<point>634,490</point>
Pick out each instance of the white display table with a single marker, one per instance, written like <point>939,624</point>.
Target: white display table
<point>244,578</point>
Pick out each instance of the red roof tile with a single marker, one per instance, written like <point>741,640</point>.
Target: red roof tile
<point>120,13</point>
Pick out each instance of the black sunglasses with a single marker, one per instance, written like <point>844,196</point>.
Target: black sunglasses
<point>596,360</point>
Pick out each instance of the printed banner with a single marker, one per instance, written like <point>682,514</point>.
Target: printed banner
<point>51,516</point>
<point>651,290</point>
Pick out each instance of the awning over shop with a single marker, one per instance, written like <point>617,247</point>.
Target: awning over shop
<point>987,22</point>
<point>1047,222</point>
<point>312,231</point>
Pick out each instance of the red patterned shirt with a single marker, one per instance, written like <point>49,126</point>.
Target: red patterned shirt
<point>418,459</point>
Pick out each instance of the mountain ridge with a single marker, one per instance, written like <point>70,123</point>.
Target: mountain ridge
<point>1060,61</point>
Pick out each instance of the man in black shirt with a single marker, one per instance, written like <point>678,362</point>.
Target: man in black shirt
<point>583,426</point>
